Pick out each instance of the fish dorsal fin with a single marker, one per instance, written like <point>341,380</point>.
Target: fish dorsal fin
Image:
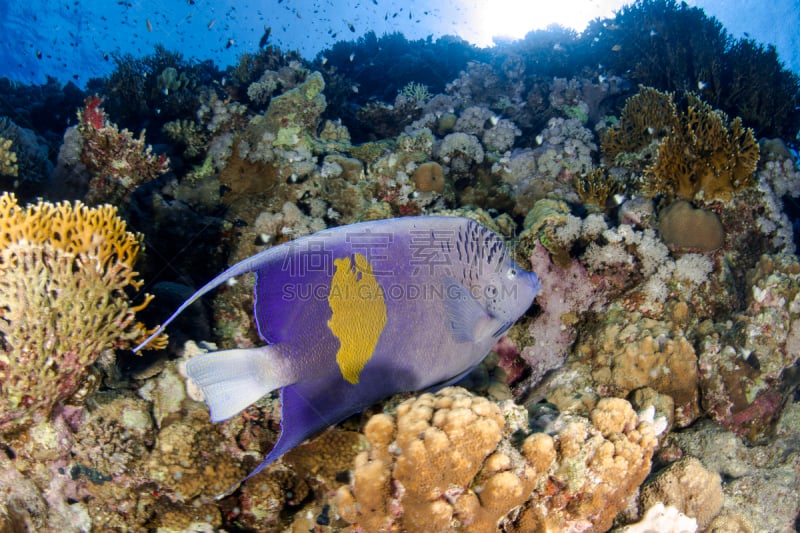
<point>248,265</point>
<point>467,320</point>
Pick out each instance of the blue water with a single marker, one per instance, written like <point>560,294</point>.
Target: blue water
<point>75,39</point>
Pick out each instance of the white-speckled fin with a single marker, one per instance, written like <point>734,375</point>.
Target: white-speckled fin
<point>232,380</point>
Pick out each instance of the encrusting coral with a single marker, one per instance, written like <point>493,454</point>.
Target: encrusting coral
<point>452,461</point>
<point>743,362</point>
<point>64,270</point>
<point>687,486</point>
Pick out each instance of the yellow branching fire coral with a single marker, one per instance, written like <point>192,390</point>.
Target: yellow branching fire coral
<point>452,461</point>
<point>64,271</point>
<point>693,154</point>
<point>8,159</point>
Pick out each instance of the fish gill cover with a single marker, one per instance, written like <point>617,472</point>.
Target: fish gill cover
<point>645,169</point>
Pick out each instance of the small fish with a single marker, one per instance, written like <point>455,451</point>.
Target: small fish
<point>149,25</point>
<point>701,85</point>
<point>264,37</point>
<point>351,27</point>
<point>229,43</point>
<point>357,313</point>
<point>211,23</point>
<point>352,56</point>
<point>616,48</point>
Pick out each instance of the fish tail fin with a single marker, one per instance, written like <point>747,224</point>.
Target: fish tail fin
<point>232,380</point>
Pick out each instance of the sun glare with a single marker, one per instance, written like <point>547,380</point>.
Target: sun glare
<point>512,19</point>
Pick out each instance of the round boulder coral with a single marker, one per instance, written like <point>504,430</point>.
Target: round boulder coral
<point>686,228</point>
<point>429,177</point>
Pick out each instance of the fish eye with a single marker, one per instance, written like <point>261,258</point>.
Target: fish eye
<point>512,273</point>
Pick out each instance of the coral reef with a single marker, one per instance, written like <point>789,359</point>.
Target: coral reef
<point>23,155</point>
<point>648,116</point>
<point>429,177</point>
<point>663,519</point>
<point>627,353</point>
<point>189,134</point>
<point>666,257</point>
<point>672,46</point>
<point>753,474</point>
<point>157,87</point>
<point>550,170</point>
<point>65,270</point>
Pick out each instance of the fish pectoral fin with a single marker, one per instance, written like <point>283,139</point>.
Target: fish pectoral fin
<point>232,380</point>
<point>467,320</point>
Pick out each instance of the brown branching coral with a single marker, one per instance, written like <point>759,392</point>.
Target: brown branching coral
<point>448,462</point>
<point>64,270</point>
<point>118,162</point>
<point>705,156</point>
<point>693,154</point>
<point>647,116</point>
<point>596,187</point>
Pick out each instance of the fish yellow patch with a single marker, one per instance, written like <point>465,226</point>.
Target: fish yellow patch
<point>358,314</point>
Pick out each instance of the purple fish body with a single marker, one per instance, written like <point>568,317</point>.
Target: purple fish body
<point>354,314</point>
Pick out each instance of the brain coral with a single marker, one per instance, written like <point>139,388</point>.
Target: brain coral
<point>448,462</point>
<point>64,270</point>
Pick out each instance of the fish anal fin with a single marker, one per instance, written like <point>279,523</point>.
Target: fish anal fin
<point>232,380</point>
